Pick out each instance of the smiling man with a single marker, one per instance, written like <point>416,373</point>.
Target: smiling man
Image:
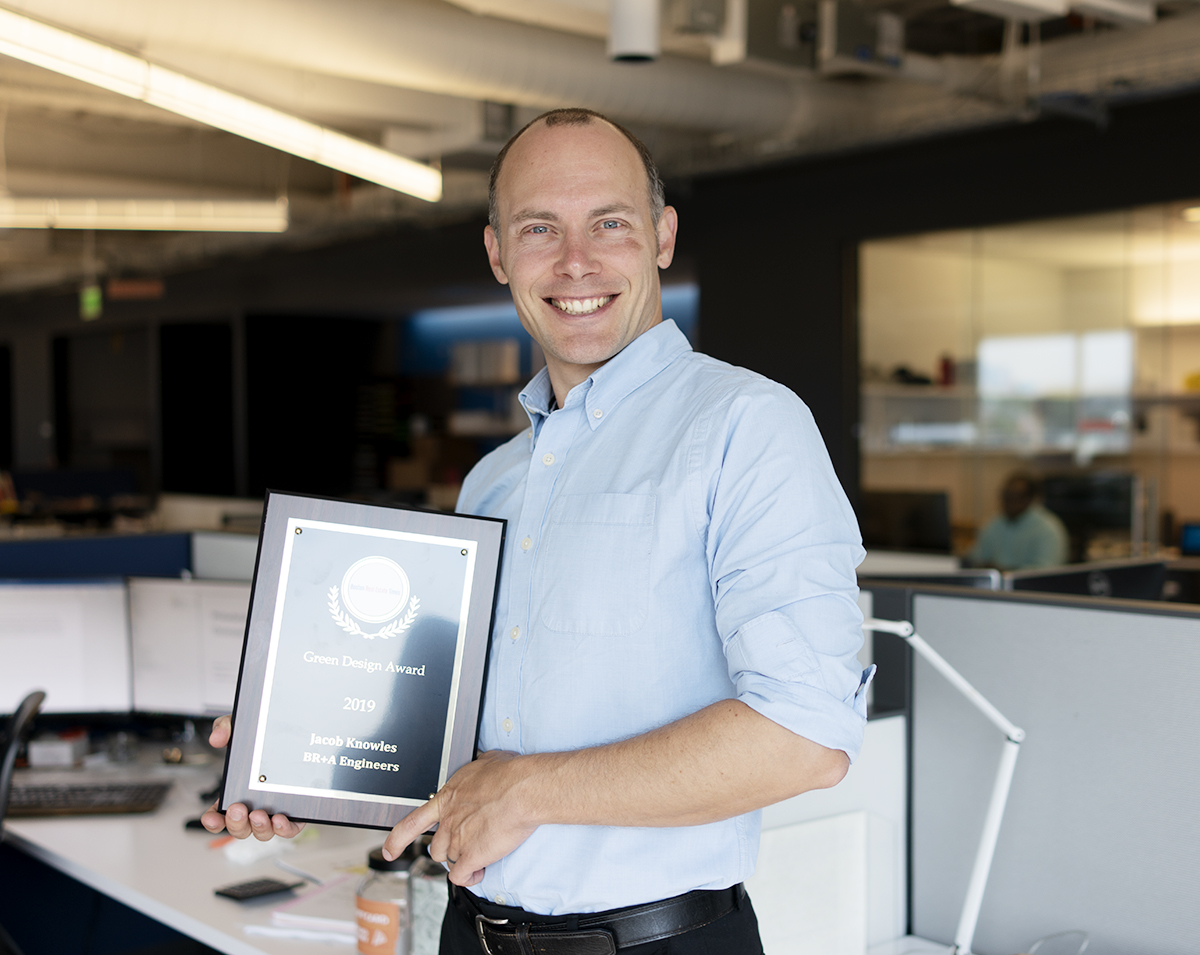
<point>676,625</point>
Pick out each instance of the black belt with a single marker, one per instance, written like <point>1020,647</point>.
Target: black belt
<point>601,933</point>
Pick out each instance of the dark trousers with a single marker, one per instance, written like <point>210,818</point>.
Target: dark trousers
<point>733,934</point>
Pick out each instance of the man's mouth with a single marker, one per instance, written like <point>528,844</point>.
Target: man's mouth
<point>581,306</point>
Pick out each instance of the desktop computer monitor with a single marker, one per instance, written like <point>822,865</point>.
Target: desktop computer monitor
<point>69,638</point>
<point>187,644</point>
<point>981,578</point>
<point>1189,540</point>
<point>906,520</point>
<point>1089,504</point>
<point>1132,580</point>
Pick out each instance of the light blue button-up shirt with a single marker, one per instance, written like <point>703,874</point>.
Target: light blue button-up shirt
<point>676,536</point>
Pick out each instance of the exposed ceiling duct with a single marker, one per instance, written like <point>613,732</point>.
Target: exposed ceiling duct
<point>427,63</point>
<point>449,81</point>
<point>438,48</point>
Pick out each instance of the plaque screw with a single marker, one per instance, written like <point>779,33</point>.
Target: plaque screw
<point>299,530</point>
<point>464,552</point>
<point>262,779</point>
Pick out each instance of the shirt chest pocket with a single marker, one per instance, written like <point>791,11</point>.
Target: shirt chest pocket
<point>594,564</point>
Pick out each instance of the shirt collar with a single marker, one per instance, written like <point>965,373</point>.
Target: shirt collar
<point>608,385</point>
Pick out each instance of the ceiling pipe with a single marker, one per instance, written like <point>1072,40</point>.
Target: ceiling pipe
<point>438,48</point>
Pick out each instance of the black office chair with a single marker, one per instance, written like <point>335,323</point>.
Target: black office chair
<point>18,726</point>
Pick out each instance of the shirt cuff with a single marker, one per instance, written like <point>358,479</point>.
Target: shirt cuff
<point>811,712</point>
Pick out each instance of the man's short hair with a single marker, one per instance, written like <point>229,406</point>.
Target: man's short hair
<point>578,116</point>
<point>1032,487</point>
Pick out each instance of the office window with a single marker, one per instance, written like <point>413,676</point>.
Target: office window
<point>1067,347</point>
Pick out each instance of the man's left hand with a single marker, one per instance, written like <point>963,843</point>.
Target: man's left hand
<point>237,820</point>
<point>480,815</point>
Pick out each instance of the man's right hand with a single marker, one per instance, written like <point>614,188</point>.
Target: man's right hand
<point>237,820</point>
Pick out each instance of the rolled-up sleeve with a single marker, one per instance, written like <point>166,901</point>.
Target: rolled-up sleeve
<point>782,546</point>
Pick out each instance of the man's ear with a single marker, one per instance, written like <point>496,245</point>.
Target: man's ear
<point>668,223</point>
<point>492,244</point>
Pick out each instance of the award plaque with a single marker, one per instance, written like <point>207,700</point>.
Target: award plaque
<point>363,665</point>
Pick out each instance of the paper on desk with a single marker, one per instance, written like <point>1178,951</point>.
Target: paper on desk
<point>325,908</point>
<point>307,934</point>
<point>249,851</point>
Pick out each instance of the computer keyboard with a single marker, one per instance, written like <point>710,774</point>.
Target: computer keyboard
<point>80,798</point>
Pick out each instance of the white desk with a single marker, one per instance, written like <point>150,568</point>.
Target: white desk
<point>152,864</point>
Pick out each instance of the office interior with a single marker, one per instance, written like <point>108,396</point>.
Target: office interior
<point>971,251</point>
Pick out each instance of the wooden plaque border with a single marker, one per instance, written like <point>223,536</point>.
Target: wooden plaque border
<point>278,509</point>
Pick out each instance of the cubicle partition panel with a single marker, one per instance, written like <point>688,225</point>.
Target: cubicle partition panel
<point>1102,831</point>
<point>104,555</point>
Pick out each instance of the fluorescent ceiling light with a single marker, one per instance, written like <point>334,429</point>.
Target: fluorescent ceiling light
<point>1117,11</point>
<point>71,55</point>
<point>1027,11</point>
<point>176,215</point>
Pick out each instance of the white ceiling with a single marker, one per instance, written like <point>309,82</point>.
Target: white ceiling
<point>414,76</point>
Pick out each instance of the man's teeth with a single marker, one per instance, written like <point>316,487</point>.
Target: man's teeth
<point>580,306</point>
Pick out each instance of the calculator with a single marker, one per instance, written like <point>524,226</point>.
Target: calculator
<point>242,891</point>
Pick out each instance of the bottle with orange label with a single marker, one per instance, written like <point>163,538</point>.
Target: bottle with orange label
<point>383,907</point>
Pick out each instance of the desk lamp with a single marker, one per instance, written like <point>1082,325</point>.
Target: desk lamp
<point>1004,773</point>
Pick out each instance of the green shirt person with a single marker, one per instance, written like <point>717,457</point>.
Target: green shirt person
<point>1025,536</point>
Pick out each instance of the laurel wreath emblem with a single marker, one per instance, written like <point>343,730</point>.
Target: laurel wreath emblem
<point>350,625</point>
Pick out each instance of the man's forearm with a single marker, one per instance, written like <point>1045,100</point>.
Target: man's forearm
<point>720,762</point>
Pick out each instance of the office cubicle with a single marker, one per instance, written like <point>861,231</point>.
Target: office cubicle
<point>1101,831</point>
<point>206,554</point>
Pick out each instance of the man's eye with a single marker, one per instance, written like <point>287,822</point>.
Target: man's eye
<point>610,224</point>
<point>539,229</point>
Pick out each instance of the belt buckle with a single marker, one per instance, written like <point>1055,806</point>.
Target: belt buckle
<point>479,920</point>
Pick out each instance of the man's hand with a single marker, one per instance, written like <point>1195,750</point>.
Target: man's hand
<point>238,820</point>
<point>480,813</point>
<point>721,761</point>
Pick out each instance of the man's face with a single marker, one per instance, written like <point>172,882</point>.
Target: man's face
<point>1016,498</point>
<point>577,244</point>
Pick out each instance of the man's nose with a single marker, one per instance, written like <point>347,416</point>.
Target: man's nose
<point>578,256</point>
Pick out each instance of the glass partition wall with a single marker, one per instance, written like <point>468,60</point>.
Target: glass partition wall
<point>1066,347</point>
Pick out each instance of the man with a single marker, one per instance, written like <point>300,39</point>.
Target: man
<point>1026,535</point>
<point>676,625</point>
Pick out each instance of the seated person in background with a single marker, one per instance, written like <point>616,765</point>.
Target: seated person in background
<point>1026,535</point>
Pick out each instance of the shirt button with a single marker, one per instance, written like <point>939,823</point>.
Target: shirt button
<point>597,413</point>
<point>547,459</point>
<point>526,544</point>
<point>515,632</point>
<point>508,725</point>
<point>499,899</point>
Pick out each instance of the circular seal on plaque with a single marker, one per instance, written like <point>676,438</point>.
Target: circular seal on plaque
<point>375,589</point>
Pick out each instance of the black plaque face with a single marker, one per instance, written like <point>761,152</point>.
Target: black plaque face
<point>364,657</point>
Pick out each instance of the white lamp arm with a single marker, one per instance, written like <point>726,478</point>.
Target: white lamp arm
<point>904,629</point>
<point>973,902</point>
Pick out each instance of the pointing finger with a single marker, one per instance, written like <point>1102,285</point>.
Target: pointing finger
<point>411,826</point>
